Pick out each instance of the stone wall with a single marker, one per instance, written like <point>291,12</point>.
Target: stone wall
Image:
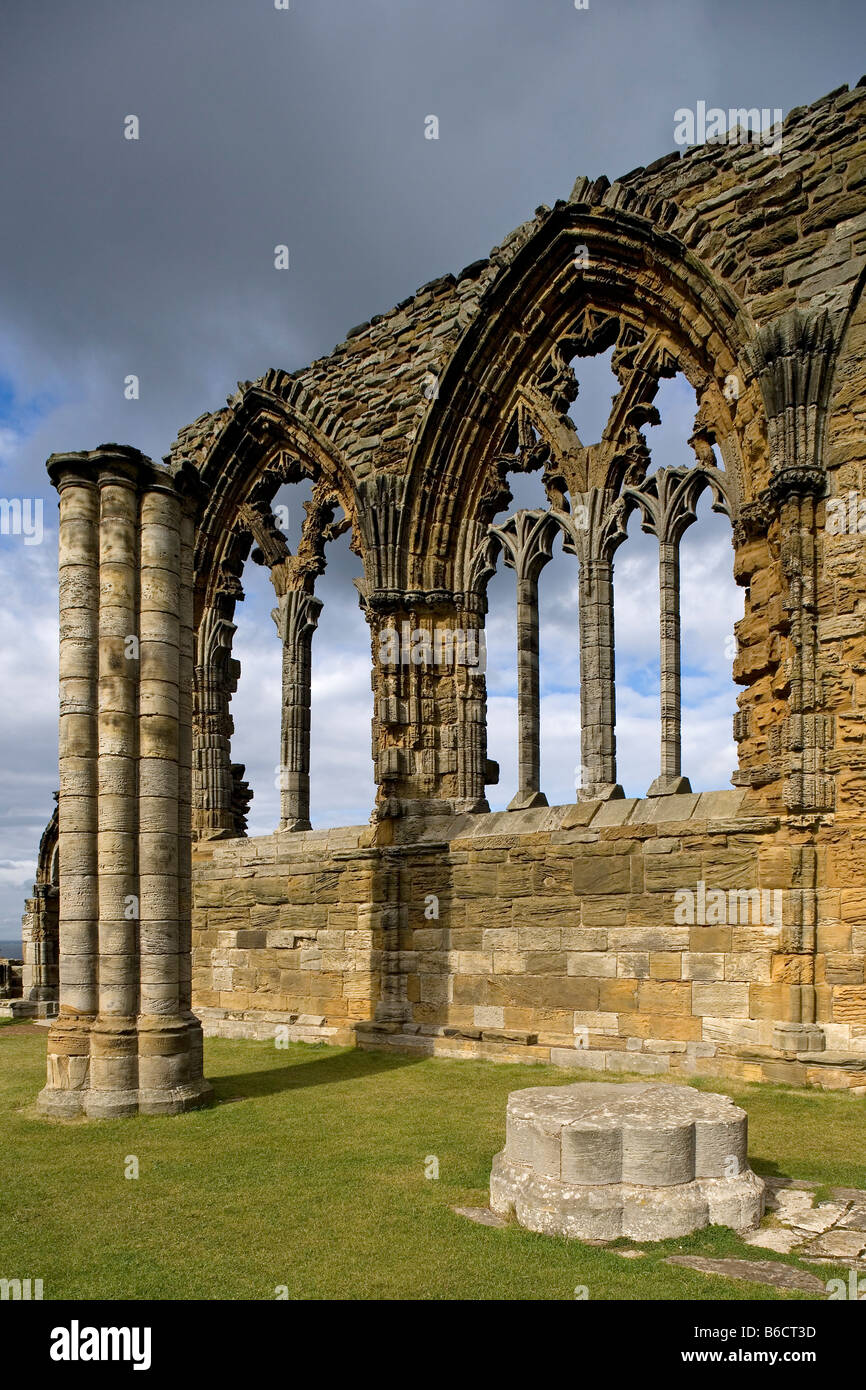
<point>556,939</point>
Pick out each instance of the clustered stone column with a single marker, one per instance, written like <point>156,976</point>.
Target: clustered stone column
<point>124,1040</point>
<point>591,534</point>
<point>296,617</point>
<point>215,679</point>
<point>527,542</point>
<point>793,358</point>
<point>667,500</point>
<point>670,778</point>
<point>475,771</point>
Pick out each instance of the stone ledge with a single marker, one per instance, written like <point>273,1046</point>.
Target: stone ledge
<point>18,1008</point>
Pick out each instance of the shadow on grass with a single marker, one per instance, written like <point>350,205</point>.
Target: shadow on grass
<point>316,1071</point>
<point>767,1167</point>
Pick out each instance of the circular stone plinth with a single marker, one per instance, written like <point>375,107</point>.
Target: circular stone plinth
<point>599,1160</point>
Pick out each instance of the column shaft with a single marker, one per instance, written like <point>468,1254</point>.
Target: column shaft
<point>528,695</point>
<point>114,1059</point>
<point>597,681</point>
<point>296,618</point>
<point>69,1036</point>
<point>670,779</point>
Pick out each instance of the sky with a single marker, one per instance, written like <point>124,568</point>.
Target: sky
<point>305,126</point>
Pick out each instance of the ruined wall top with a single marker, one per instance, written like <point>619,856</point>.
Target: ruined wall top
<point>782,228</point>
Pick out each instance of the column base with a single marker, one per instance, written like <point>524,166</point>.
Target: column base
<point>601,791</point>
<point>118,1105</point>
<point>146,1066</point>
<point>109,1105</point>
<point>798,1037</point>
<point>60,1105</point>
<point>526,801</point>
<point>670,786</point>
<point>392,1011</point>
<point>194,1096</point>
<point>68,1077</point>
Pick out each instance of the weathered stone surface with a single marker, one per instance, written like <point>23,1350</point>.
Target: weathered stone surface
<point>598,1160</point>
<point>482,1216</point>
<point>770,1272</point>
<point>773,1238</point>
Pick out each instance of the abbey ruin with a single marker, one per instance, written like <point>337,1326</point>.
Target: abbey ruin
<point>537,933</point>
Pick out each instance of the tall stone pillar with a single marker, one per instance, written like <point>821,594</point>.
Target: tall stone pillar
<point>296,617</point>
<point>670,778</point>
<point>592,534</point>
<point>527,543</point>
<point>69,1035</point>
<point>113,1045</point>
<point>667,500</point>
<point>214,681</point>
<point>124,1041</point>
<point>528,697</point>
<point>794,358</point>
<point>475,771</point>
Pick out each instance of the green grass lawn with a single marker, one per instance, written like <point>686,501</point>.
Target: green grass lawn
<point>313,1177</point>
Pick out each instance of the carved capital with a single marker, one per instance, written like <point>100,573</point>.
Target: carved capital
<point>380,500</point>
<point>527,539</point>
<point>792,358</point>
<point>296,616</point>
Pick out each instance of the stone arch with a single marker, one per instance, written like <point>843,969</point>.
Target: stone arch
<point>274,432</point>
<point>601,272</point>
<point>273,426</point>
<point>639,277</point>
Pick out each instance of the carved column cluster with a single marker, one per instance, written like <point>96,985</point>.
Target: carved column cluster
<point>793,360</point>
<point>424,705</point>
<point>475,771</point>
<point>296,617</point>
<point>527,545</point>
<point>592,533</point>
<point>215,679</point>
<point>124,1040</point>
<point>806,788</point>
